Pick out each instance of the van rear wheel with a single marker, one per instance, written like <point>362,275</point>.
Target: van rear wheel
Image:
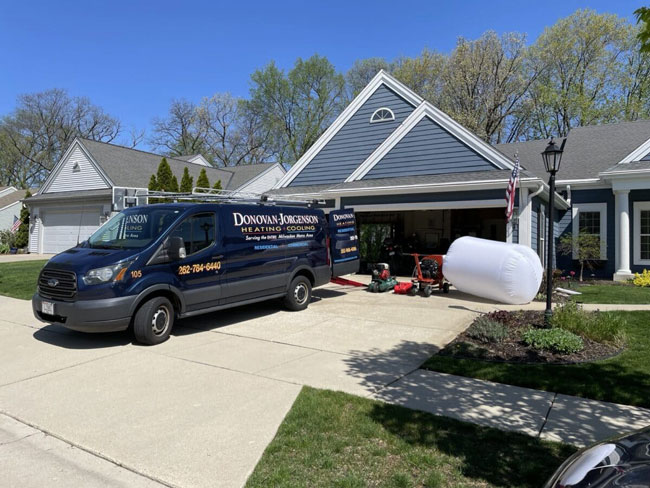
<point>153,321</point>
<point>299,294</point>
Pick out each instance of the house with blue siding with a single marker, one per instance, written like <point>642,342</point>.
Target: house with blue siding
<point>408,167</point>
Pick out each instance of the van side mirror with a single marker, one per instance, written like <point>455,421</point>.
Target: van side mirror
<point>176,248</point>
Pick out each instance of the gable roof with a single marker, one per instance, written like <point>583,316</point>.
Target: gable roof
<point>381,79</point>
<point>133,168</point>
<point>457,131</point>
<point>589,150</point>
<point>244,173</point>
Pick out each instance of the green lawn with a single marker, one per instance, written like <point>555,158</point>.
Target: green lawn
<point>615,293</point>
<point>622,379</point>
<point>332,439</point>
<point>18,280</point>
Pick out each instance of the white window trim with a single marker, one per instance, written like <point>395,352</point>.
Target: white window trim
<point>372,117</point>
<point>638,206</point>
<point>590,207</point>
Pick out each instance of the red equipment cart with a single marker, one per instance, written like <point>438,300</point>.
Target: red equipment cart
<point>427,274</point>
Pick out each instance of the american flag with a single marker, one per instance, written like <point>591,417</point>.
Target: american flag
<point>510,191</point>
<point>16,225</point>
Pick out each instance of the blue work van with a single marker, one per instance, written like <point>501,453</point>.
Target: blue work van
<point>152,264</point>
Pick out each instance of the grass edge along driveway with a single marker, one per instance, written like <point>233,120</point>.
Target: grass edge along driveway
<point>336,439</point>
<point>19,279</point>
<point>622,379</point>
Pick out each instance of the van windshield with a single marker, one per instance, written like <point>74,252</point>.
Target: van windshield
<point>133,228</point>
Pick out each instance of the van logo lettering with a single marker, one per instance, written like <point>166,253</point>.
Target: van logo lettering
<point>52,282</point>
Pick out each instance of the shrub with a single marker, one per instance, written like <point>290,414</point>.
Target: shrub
<point>557,340</point>
<point>4,249</point>
<point>597,326</point>
<point>485,329</point>
<point>642,279</point>
<point>7,237</point>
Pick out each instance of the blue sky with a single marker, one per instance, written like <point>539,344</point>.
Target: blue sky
<point>133,58</point>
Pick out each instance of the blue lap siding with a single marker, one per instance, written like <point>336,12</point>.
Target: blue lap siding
<point>356,140</point>
<point>428,149</point>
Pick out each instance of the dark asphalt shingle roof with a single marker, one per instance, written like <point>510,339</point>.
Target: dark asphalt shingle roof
<point>72,194</point>
<point>133,168</point>
<point>502,175</point>
<point>588,151</point>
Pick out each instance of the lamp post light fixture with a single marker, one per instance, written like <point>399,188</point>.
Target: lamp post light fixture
<point>552,156</point>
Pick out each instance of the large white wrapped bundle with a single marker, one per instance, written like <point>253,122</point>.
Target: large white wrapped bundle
<point>506,273</point>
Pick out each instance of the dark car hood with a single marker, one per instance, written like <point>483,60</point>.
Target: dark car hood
<point>81,259</point>
<point>623,461</point>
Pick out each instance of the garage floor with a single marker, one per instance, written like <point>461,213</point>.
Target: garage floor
<point>199,409</point>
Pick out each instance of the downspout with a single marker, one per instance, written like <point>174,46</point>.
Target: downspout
<point>539,190</point>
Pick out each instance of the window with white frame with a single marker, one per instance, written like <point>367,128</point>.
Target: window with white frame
<point>641,232</point>
<point>590,218</point>
<point>383,114</point>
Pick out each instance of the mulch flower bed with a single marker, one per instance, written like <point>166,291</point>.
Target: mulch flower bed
<point>513,350</point>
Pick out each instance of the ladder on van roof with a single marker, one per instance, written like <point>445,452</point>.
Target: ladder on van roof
<point>214,195</point>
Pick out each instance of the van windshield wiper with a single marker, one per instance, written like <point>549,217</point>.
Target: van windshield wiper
<point>104,246</point>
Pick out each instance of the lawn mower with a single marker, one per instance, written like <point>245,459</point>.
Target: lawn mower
<point>427,274</point>
<point>381,279</point>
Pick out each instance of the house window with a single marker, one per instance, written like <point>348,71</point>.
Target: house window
<point>383,114</point>
<point>642,233</point>
<point>590,218</point>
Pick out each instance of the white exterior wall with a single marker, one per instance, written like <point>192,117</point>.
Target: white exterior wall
<point>34,230</point>
<point>86,178</point>
<point>265,181</point>
<point>7,215</point>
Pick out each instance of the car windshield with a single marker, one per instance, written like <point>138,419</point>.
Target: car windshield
<point>133,228</point>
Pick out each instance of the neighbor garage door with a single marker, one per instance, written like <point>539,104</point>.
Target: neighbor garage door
<point>63,229</point>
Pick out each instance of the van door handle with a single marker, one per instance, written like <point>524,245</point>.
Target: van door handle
<point>220,256</point>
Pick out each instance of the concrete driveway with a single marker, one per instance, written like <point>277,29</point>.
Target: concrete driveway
<point>200,409</point>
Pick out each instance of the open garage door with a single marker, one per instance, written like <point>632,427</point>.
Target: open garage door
<point>63,229</point>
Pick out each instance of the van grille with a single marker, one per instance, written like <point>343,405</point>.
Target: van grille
<point>57,284</point>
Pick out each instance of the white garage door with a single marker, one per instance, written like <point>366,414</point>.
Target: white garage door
<point>63,229</point>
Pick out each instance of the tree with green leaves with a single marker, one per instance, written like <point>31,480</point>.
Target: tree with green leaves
<point>164,176</point>
<point>202,181</point>
<point>585,247</point>
<point>296,107</point>
<point>22,234</point>
<point>643,17</point>
<point>187,182</point>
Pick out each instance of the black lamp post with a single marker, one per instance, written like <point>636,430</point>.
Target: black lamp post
<point>552,156</point>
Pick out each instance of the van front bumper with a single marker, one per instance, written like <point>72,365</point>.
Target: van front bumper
<point>104,315</point>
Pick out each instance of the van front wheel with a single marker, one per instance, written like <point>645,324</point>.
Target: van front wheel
<point>299,294</point>
<point>153,321</point>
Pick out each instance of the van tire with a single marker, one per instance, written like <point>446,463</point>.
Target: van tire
<point>299,294</point>
<point>153,321</point>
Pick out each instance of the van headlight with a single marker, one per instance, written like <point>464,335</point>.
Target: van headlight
<point>97,276</point>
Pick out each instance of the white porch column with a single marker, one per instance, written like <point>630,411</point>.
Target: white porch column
<point>622,209</point>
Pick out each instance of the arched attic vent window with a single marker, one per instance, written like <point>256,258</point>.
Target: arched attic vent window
<point>383,114</point>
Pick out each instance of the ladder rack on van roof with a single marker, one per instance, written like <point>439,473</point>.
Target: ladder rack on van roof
<point>214,195</point>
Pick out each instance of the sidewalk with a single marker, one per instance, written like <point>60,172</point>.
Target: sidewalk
<point>551,416</point>
<point>13,258</point>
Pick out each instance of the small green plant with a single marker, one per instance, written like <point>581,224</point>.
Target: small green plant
<point>4,249</point>
<point>557,340</point>
<point>485,329</point>
<point>642,279</point>
<point>8,238</point>
<point>598,326</point>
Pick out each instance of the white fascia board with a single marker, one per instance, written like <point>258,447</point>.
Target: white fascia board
<point>429,205</point>
<point>612,175</point>
<point>381,78</point>
<point>637,154</point>
<point>450,125</point>
<point>57,169</point>
<point>580,181</point>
